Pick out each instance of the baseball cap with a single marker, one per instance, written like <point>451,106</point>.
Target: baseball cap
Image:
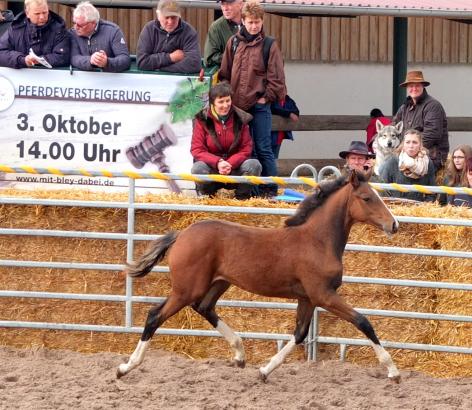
<point>168,8</point>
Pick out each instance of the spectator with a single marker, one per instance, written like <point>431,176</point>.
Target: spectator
<point>6,17</point>
<point>411,166</point>
<point>456,168</point>
<point>425,114</point>
<point>371,130</point>
<point>221,143</point>
<point>221,30</point>
<point>169,43</point>
<point>40,30</point>
<point>286,108</point>
<point>466,182</point>
<point>97,43</point>
<point>357,157</point>
<point>255,84</point>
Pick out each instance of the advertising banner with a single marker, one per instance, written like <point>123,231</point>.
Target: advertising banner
<point>96,121</point>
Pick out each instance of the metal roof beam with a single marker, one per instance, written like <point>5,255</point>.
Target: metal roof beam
<point>298,9</point>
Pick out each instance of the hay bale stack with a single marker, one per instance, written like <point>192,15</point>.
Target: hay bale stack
<point>155,284</point>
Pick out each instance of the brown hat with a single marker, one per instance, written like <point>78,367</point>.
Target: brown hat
<point>357,147</point>
<point>168,8</point>
<point>414,77</point>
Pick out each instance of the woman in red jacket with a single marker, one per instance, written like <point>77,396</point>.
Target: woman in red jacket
<point>221,143</point>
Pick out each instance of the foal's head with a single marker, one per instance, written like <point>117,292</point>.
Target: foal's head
<point>363,202</point>
<point>366,206</point>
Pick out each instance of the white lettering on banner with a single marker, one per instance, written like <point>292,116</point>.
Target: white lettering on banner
<point>98,121</point>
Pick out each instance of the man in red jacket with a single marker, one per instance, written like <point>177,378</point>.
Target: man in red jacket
<point>221,143</point>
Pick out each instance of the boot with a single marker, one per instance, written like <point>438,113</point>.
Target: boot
<point>243,191</point>
<point>206,188</point>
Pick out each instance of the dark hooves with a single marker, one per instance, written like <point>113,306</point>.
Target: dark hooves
<point>262,377</point>
<point>240,363</point>
<point>396,379</point>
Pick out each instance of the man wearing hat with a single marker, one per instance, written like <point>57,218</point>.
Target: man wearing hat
<point>357,157</point>
<point>169,43</point>
<point>221,30</point>
<point>425,114</point>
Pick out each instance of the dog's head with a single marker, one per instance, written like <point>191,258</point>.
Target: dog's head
<point>388,136</point>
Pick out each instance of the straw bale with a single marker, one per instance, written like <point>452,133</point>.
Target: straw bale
<point>277,321</point>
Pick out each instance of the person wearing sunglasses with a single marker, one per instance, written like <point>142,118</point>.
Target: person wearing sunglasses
<point>97,43</point>
<point>35,32</point>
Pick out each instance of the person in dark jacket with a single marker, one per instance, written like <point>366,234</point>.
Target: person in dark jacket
<point>97,43</point>
<point>37,29</point>
<point>286,108</point>
<point>221,30</point>
<point>6,17</point>
<point>169,43</point>
<point>221,143</point>
<point>411,166</point>
<point>425,114</point>
<point>256,85</point>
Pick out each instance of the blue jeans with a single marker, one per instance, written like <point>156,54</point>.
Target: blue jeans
<point>261,127</point>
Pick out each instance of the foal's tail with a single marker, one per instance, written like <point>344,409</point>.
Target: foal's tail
<point>154,254</point>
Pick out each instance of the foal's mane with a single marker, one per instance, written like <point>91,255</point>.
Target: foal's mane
<point>318,198</point>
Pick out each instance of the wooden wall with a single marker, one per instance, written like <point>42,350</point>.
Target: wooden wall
<point>326,39</point>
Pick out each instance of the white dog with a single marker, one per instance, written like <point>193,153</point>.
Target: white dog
<point>387,139</point>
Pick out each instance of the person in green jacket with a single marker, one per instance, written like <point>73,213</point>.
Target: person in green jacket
<point>221,30</point>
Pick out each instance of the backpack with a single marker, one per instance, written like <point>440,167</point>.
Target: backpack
<point>265,48</point>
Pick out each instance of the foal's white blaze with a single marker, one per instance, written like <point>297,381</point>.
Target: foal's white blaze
<point>385,359</point>
<point>136,358</point>
<point>233,339</point>
<point>397,224</point>
<point>277,359</point>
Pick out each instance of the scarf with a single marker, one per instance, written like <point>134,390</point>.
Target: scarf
<point>248,38</point>
<point>413,167</point>
<point>221,118</point>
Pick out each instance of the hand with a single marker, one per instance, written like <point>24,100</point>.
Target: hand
<point>176,56</point>
<point>224,167</point>
<point>30,61</point>
<point>293,116</point>
<point>262,100</point>
<point>99,59</point>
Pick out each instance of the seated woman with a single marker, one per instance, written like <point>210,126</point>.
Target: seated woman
<point>466,182</point>
<point>221,143</point>
<point>410,166</point>
<point>455,167</point>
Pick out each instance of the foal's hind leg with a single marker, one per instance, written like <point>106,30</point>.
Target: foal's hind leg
<point>206,308</point>
<point>335,304</point>
<point>304,315</point>
<point>156,317</point>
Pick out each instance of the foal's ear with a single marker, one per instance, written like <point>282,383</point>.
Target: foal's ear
<point>353,179</point>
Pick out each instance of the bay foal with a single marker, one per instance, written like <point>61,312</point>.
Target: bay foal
<point>302,261</point>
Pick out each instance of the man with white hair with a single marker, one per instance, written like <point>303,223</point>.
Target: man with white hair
<point>221,30</point>
<point>169,43</point>
<point>97,43</point>
<point>39,30</point>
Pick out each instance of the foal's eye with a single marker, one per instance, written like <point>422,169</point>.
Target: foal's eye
<point>366,199</point>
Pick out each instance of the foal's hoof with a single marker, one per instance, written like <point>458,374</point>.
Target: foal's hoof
<point>395,379</point>
<point>262,376</point>
<point>240,363</point>
<point>120,372</point>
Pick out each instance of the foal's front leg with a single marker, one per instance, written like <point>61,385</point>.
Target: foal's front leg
<point>336,305</point>
<point>304,314</point>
